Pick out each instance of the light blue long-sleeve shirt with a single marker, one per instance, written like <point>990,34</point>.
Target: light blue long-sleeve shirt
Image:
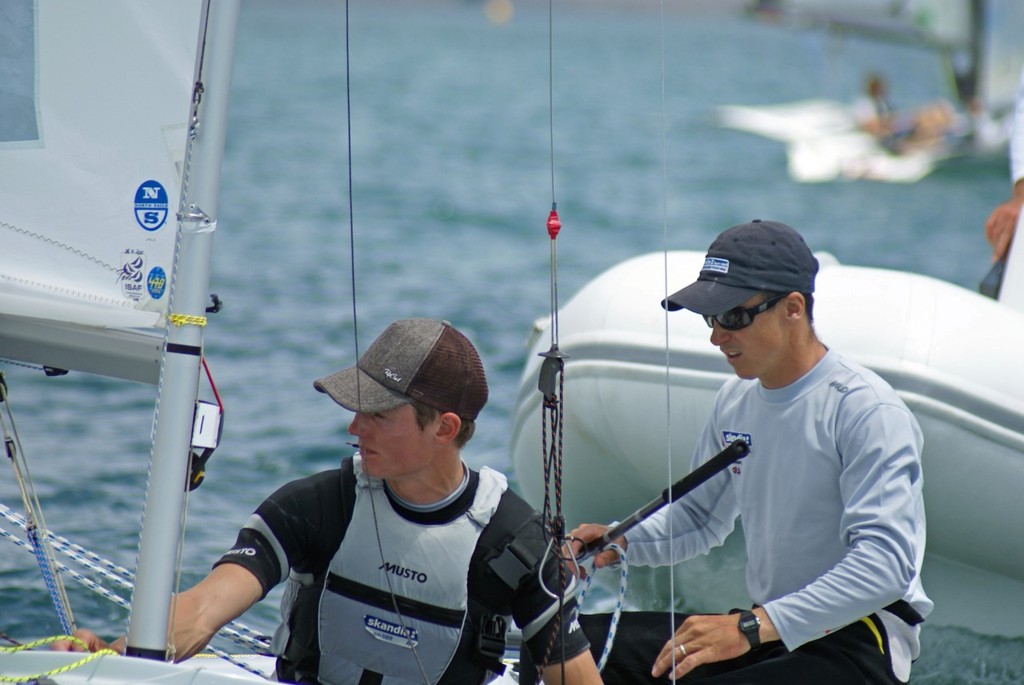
<point>829,496</point>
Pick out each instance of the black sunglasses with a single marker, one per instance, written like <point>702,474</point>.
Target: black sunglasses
<point>741,317</point>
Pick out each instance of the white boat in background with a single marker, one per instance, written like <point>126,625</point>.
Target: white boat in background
<point>825,143</point>
<point>977,41</point>
<point>639,383</point>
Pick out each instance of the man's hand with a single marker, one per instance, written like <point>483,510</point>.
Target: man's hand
<point>588,532</point>
<point>1000,227</point>
<point>1002,222</point>
<point>199,612</point>
<point>87,641</point>
<point>705,639</point>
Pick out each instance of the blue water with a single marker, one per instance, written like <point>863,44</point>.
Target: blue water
<point>451,174</point>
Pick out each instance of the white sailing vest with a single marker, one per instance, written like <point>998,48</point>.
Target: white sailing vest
<point>422,573</point>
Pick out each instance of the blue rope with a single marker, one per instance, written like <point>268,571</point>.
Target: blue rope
<point>49,581</point>
<point>623,566</point>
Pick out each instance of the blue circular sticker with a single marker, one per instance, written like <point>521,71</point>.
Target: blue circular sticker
<point>156,282</point>
<point>151,205</point>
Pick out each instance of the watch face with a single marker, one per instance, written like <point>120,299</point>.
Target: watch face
<point>749,623</point>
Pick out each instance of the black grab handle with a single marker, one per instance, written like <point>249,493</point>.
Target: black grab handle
<point>735,451</point>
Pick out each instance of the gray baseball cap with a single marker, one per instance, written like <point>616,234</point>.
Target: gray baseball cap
<point>760,256</point>
<point>413,359</point>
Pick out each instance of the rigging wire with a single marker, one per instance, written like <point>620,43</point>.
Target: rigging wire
<point>554,365</point>
<point>355,324</point>
<point>552,369</point>
<point>351,208</point>
<point>35,525</point>
<point>103,570</point>
<point>665,292</point>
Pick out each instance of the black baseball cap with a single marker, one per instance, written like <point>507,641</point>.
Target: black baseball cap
<point>760,256</point>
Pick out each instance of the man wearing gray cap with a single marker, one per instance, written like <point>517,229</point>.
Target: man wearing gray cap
<point>830,495</point>
<point>404,565</point>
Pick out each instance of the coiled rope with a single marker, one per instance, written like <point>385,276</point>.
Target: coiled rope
<point>56,671</point>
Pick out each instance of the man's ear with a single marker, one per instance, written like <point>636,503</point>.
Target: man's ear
<point>795,305</point>
<point>448,426</point>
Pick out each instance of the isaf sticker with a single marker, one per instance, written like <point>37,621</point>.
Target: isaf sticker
<point>135,282</point>
<point>151,205</point>
<point>131,276</point>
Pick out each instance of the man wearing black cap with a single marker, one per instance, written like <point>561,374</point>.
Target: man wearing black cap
<point>404,565</point>
<point>830,495</point>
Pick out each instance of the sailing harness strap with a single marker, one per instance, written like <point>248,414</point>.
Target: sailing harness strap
<point>905,611</point>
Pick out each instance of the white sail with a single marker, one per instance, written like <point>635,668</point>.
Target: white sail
<point>92,139</point>
<point>96,98</point>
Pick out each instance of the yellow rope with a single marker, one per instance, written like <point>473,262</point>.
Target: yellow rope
<point>187,319</point>
<point>64,669</point>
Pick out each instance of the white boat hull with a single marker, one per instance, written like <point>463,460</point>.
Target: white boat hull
<point>118,670</point>
<point>928,338</point>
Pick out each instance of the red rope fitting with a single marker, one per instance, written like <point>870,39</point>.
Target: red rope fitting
<point>554,225</point>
